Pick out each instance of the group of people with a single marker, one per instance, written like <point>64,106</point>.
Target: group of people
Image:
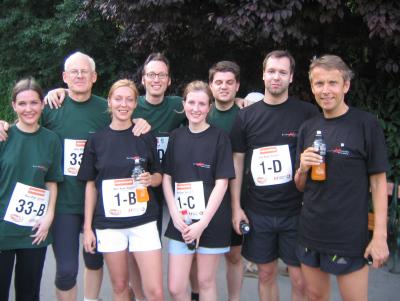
<point>72,166</point>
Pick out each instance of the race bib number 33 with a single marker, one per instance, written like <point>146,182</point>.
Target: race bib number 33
<point>190,196</point>
<point>120,198</point>
<point>73,151</point>
<point>271,165</point>
<point>27,205</point>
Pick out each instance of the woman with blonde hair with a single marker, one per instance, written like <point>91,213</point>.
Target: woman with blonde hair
<point>119,203</point>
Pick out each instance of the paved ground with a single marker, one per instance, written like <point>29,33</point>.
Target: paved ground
<point>383,286</point>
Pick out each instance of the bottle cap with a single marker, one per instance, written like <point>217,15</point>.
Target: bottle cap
<point>184,212</point>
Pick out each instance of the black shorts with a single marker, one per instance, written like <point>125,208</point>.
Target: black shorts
<point>236,239</point>
<point>271,238</point>
<point>331,264</point>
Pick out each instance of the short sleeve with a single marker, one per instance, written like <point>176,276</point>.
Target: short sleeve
<point>54,173</point>
<point>224,159</point>
<point>377,160</point>
<point>238,136</point>
<point>87,170</point>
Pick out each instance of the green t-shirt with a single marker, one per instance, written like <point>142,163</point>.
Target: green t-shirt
<point>223,119</point>
<point>31,159</point>
<point>164,117</point>
<point>74,122</point>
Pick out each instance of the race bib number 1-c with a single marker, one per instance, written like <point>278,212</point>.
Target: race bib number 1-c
<point>73,151</point>
<point>271,165</point>
<point>27,205</point>
<point>120,198</point>
<point>190,196</point>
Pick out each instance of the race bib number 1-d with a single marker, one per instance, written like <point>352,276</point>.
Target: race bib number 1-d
<point>73,151</point>
<point>190,196</point>
<point>271,165</point>
<point>27,205</point>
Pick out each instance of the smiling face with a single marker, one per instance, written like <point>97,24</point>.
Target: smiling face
<point>122,103</point>
<point>329,89</point>
<point>277,77</point>
<point>28,107</point>
<point>155,79</point>
<point>196,106</point>
<point>224,87</point>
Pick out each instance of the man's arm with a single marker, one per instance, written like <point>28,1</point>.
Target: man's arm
<point>378,248</point>
<point>54,98</point>
<point>235,186</point>
<point>4,126</point>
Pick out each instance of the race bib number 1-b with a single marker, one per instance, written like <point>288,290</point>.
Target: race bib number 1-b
<point>121,198</point>
<point>27,205</point>
<point>190,196</point>
<point>73,151</point>
<point>271,165</point>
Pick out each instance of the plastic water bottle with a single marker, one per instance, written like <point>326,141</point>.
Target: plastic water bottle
<point>142,195</point>
<point>188,221</point>
<point>244,227</point>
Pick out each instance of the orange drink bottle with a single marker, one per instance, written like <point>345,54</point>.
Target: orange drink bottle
<point>318,172</point>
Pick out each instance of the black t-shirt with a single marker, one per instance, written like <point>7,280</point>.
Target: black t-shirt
<point>109,154</point>
<point>334,217</point>
<point>206,157</point>
<point>272,131</point>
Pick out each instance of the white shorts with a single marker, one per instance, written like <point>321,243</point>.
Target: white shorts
<point>140,238</point>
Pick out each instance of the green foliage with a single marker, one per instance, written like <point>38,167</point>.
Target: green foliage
<point>36,36</point>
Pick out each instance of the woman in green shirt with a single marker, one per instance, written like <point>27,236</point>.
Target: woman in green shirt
<point>29,169</point>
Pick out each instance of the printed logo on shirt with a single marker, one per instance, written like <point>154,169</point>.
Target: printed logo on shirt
<point>290,134</point>
<point>134,157</point>
<point>339,150</point>
<point>201,165</point>
<point>40,167</point>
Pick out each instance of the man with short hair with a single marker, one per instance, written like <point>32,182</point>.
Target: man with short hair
<point>333,230</point>
<point>82,113</point>
<point>264,136</point>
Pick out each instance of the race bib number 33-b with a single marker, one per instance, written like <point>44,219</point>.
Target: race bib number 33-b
<point>73,151</point>
<point>190,196</point>
<point>120,198</point>
<point>271,165</point>
<point>27,205</point>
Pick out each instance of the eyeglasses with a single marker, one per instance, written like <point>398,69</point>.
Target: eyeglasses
<point>160,75</point>
<point>76,72</point>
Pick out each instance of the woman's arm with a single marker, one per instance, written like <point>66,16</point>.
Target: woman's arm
<point>89,239</point>
<point>195,230</point>
<point>170,199</point>
<point>43,225</point>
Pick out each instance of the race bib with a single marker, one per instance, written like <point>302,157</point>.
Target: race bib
<point>271,165</point>
<point>162,143</point>
<point>190,196</point>
<point>123,198</point>
<point>73,151</point>
<point>27,205</point>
